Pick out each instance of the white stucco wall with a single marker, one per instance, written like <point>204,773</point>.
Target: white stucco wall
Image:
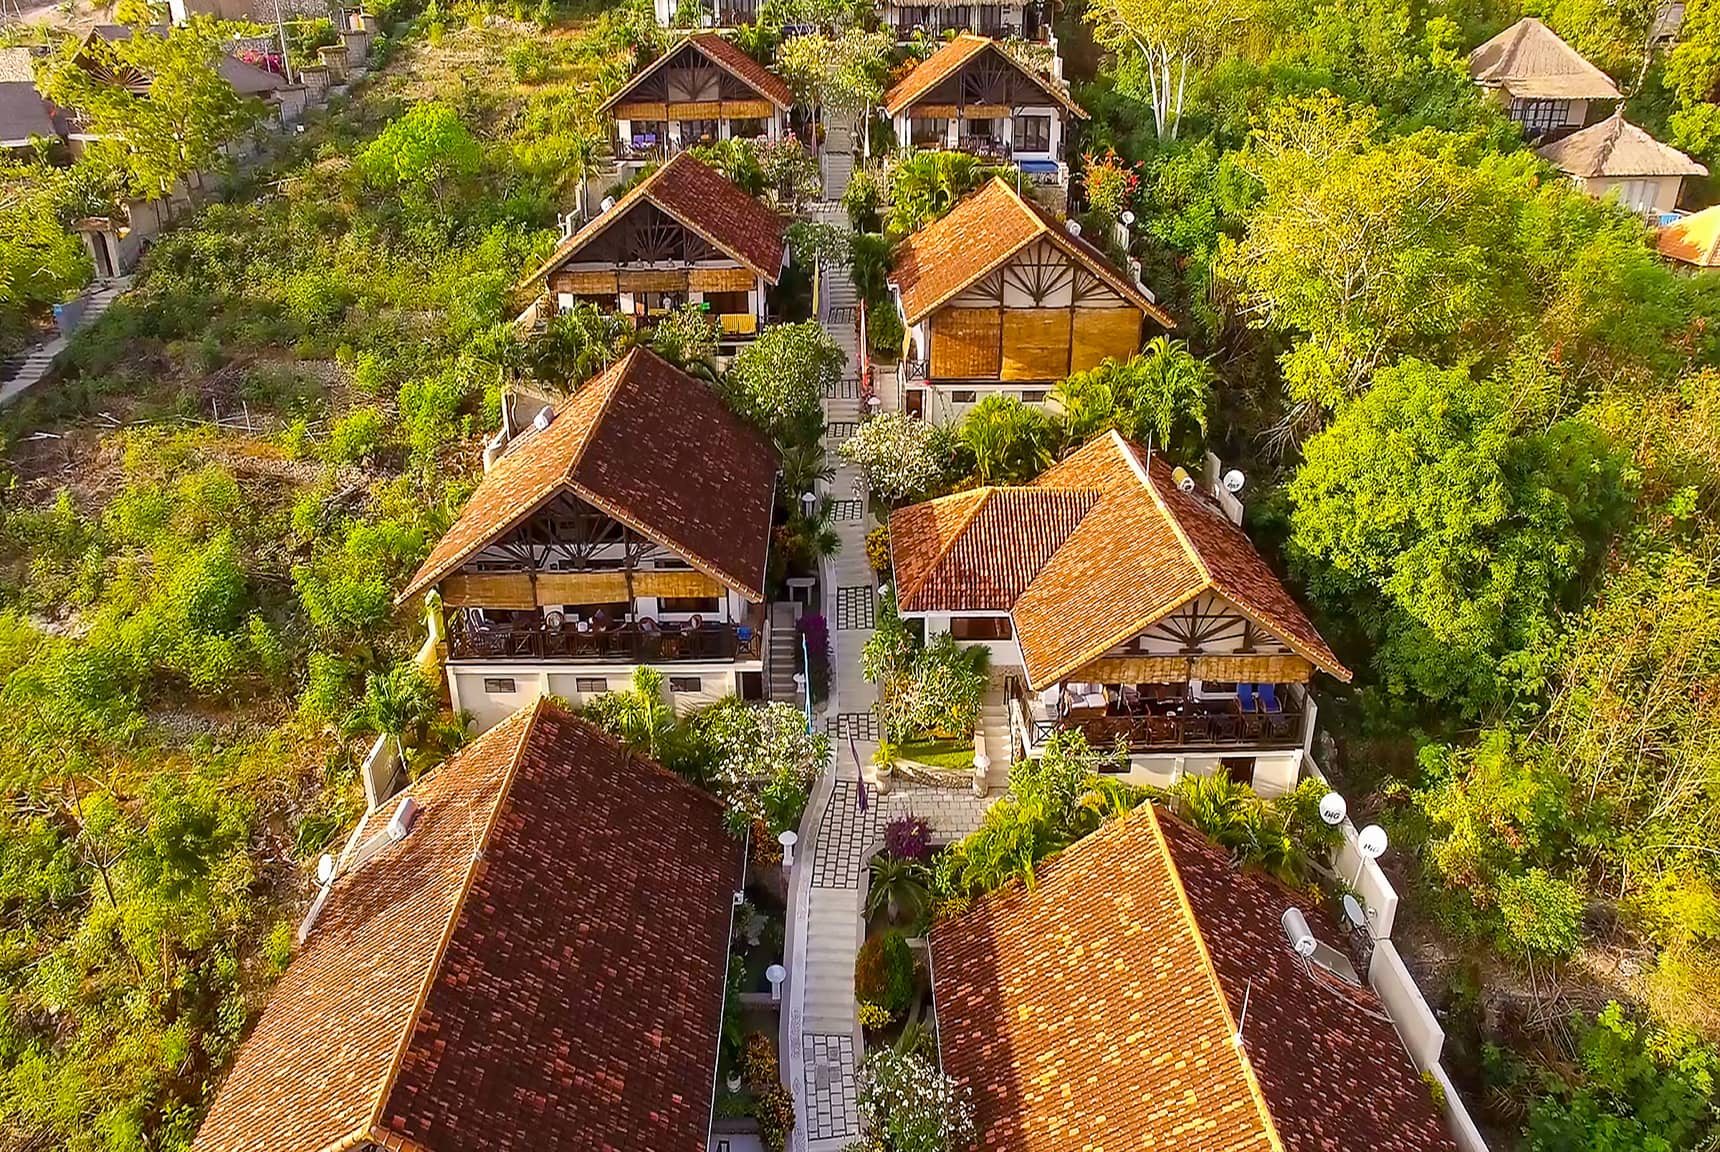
<point>468,693</point>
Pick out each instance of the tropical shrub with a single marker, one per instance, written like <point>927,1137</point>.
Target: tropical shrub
<point>884,972</point>
<point>1109,182</point>
<point>944,687</point>
<point>898,888</point>
<point>763,760</point>
<point>1004,441</point>
<point>778,382</point>
<point>814,633</point>
<point>1160,397</point>
<point>907,1105</point>
<point>762,1069</point>
<point>875,1015</point>
<point>774,1112</point>
<point>355,437</point>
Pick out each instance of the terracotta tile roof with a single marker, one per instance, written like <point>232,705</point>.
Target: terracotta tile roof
<point>951,58</point>
<point>1693,239</point>
<point>1615,147</point>
<point>948,547</point>
<point>540,962</point>
<point>653,448</point>
<point>703,201</point>
<point>724,55</point>
<point>1090,555</point>
<point>1531,62</point>
<point>977,236</point>
<point>1097,1010</point>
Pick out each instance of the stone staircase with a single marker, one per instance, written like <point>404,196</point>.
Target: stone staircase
<point>838,155</point>
<point>29,368</point>
<point>782,661</point>
<point>994,722</point>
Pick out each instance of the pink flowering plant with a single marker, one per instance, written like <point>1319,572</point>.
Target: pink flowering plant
<point>1110,182</point>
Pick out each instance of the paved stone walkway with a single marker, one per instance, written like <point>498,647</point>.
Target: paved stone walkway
<point>822,1026</point>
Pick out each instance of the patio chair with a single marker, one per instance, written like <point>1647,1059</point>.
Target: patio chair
<point>1224,726</point>
<point>1161,729</point>
<point>1245,696</point>
<point>1269,698</point>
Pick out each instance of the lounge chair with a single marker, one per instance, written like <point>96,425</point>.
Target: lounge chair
<point>1245,696</point>
<point>1269,698</point>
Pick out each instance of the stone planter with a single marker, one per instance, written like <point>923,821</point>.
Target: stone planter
<point>315,78</point>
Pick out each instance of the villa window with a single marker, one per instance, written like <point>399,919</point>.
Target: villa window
<point>499,684</point>
<point>964,396</point>
<point>590,684</point>
<point>698,132</point>
<point>690,604</point>
<point>1033,133</point>
<point>746,127</point>
<point>1033,396</point>
<point>686,684</point>
<point>929,131</point>
<point>981,628</point>
<point>1539,117</point>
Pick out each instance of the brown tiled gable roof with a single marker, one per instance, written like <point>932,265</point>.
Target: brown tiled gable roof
<point>1098,1009</point>
<point>1531,62</point>
<point>950,59</point>
<point>1694,239</point>
<point>724,55</point>
<point>703,201</point>
<point>1328,1060</point>
<point>1617,148</point>
<point>650,446</point>
<point>540,963</point>
<point>1089,555</point>
<point>977,236</point>
<point>946,549</point>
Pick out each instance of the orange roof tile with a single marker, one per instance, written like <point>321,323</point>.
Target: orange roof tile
<point>977,236</point>
<point>1098,1010</point>
<point>724,55</point>
<point>540,961</point>
<point>952,58</point>
<point>1094,552</point>
<point>703,201</point>
<point>650,446</point>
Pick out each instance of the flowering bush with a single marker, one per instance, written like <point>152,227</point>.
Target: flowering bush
<point>764,761</point>
<point>777,383</point>
<point>875,1015</point>
<point>774,1112</point>
<point>944,687</point>
<point>762,1072</point>
<point>899,457</point>
<point>908,838</point>
<point>884,972</point>
<point>1110,183</point>
<point>878,549</point>
<point>907,1104</point>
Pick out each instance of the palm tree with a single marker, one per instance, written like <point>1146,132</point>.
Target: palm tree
<point>899,888</point>
<point>578,344</point>
<point>926,185</point>
<point>1008,440</point>
<point>394,703</point>
<point>584,156</point>
<point>1087,404</point>
<point>803,465</point>
<point>1171,388</point>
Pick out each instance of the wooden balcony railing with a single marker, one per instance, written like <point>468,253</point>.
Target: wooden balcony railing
<point>626,643</point>
<point>1190,724</point>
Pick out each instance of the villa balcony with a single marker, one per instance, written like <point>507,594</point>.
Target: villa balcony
<point>1158,718</point>
<point>644,641</point>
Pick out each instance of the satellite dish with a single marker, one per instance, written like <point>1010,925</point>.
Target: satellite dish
<point>1128,218</point>
<point>1353,911</point>
<point>543,418</point>
<point>1233,481</point>
<point>1074,227</point>
<point>325,869</point>
<point>1371,843</point>
<point>1297,932</point>
<point>607,203</point>
<point>1333,809</point>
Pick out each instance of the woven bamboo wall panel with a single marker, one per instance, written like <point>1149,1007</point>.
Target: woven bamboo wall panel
<point>985,111</point>
<point>1134,670</point>
<point>1035,343</point>
<point>581,587</point>
<point>1254,669</point>
<point>720,279</point>
<point>695,110</point>
<point>488,590</point>
<point>583,283</point>
<point>748,109</point>
<point>651,281</point>
<point>641,110</point>
<point>965,343</point>
<point>675,584</point>
<point>932,111</point>
<point>1102,332</point>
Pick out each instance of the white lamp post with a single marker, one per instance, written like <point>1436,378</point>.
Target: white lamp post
<point>776,973</point>
<point>788,840</point>
<point>808,501</point>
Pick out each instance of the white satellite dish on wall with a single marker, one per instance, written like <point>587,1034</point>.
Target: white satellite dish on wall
<point>1233,481</point>
<point>325,869</point>
<point>1333,809</point>
<point>1371,842</point>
